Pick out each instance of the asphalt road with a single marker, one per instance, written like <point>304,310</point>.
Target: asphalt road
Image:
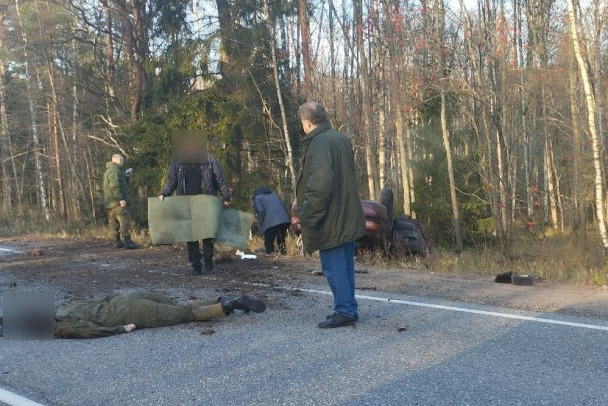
<point>441,357</point>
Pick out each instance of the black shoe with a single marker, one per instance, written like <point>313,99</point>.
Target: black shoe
<point>244,303</point>
<point>337,320</point>
<point>130,245</point>
<point>197,272</point>
<point>355,317</point>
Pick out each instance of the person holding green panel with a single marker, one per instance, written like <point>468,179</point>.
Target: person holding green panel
<point>192,172</point>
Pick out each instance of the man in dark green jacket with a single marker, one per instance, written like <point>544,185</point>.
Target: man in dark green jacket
<point>116,201</point>
<point>330,209</point>
<point>122,314</point>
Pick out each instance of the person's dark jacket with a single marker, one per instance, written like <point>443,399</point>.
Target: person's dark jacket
<point>269,209</point>
<point>329,205</point>
<point>114,186</point>
<point>212,179</point>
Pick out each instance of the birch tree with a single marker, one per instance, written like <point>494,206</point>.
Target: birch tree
<point>591,123</point>
<point>42,185</point>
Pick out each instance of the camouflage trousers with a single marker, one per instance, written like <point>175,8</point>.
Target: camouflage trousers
<point>119,220</point>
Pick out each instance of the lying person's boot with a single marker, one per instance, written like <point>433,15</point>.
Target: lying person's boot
<point>130,245</point>
<point>244,303</point>
<point>337,320</point>
<point>355,318</point>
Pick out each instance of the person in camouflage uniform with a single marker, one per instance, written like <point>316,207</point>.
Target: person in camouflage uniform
<point>122,314</point>
<point>116,202</point>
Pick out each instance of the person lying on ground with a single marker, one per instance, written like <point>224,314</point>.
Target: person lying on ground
<point>124,313</point>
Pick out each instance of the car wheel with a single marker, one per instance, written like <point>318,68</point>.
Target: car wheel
<point>386,199</point>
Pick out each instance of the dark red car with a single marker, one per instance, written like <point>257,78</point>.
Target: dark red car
<point>401,235</point>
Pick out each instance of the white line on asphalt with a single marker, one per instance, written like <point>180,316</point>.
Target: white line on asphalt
<point>465,310</point>
<point>9,250</point>
<point>442,307</point>
<point>13,399</point>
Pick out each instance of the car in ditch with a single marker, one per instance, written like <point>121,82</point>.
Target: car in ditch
<point>395,236</point>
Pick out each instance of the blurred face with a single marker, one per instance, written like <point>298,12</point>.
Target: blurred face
<point>189,146</point>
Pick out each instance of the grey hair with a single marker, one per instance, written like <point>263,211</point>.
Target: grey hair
<point>313,112</point>
<point>117,158</point>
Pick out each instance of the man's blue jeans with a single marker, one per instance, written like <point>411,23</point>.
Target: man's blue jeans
<point>338,265</point>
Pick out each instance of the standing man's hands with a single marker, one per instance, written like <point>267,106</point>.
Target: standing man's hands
<point>123,203</point>
<point>161,197</point>
<point>227,203</point>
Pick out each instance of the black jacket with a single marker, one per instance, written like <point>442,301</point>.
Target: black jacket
<point>212,179</point>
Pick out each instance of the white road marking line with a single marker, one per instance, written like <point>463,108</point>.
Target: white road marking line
<point>465,310</point>
<point>10,250</point>
<point>450,308</point>
<point>13,399</point>
<point>434,306</point>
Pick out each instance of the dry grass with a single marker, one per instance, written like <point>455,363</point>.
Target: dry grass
<point>555,257</point>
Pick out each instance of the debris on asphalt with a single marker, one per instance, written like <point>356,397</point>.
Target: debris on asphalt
<point>245,256</point>
<point>207,331</point>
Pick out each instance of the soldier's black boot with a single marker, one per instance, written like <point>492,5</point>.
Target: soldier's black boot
<point>118,242</point>
<point>244,303</point>
<point>130,245</point>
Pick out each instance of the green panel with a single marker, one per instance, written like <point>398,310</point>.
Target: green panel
<point>234,228</point>
<point>190,218</point>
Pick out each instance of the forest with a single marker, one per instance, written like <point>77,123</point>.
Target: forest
<point>484,116</point>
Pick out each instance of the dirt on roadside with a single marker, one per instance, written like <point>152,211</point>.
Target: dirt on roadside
<point>81,267</point>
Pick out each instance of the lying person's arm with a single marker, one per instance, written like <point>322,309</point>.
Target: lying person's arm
<point>87,329</point>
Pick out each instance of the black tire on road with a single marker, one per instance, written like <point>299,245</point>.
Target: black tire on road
<point>522,280</point>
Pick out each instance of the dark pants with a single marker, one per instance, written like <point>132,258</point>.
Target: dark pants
<point>338,265</point>
<point>118,217</point>
<point>194,252</point>
<point>278,233</point>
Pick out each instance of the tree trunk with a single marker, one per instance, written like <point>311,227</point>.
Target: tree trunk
<point>43,190</point>
<point>5,140</point>
<point>60,191</point>
<point>591,111</point>
<point>579,226</point>
<point>448,153</point>
<point>305,38</point>
<point>366,113</point>
<point>109,60</point>
<point>277,84</point>
<point>445,132</point>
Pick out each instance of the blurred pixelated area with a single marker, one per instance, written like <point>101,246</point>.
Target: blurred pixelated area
<point>28,315</point>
